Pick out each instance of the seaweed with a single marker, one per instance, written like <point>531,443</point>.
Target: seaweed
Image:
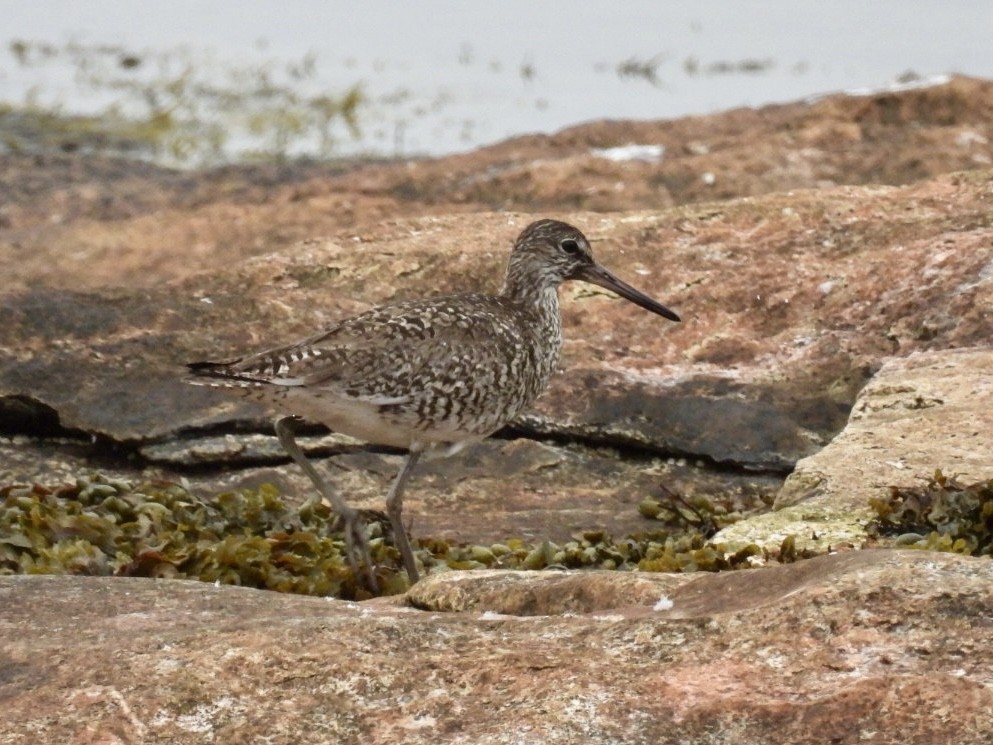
<point>942,515</point>
<point>703,514</point>
<point>102,526</point>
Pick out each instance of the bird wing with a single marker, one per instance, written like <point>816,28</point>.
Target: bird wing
<point>380,356</point>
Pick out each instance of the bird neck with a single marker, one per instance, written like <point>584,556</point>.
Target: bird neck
<point>532,292</point>
<point>537,300</point>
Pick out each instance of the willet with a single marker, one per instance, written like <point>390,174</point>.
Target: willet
<point>433,374</point>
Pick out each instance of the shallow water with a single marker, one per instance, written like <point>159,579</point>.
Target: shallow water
<point>437,76</point>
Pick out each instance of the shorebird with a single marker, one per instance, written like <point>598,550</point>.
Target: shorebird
<point>425,375</point>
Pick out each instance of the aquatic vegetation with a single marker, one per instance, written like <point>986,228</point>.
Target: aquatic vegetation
<point>102,526</point>
<point>180,108</point>
<point>942,515</point>
<point>646,69</point>
<point>702,513</point>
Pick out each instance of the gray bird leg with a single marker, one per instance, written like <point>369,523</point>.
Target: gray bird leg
<point>394,506</point>
<point>356,542</point>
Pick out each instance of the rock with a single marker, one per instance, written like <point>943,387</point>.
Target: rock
<point>541,593</point>
<point>880,646</point>
<point>132,224</point>
<point>754,425</point>
<point>929,411</point>
<point>791,302</point>
<point>238,451</point>
<point>796,305</point>
<point>799,345</point>
<point>760,375</point>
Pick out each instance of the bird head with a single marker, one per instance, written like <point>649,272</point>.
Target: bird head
<point>549,252</point>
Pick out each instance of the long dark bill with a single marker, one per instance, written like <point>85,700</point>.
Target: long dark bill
<point>597,275</point>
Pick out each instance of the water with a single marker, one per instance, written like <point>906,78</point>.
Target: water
<point>437,77</point>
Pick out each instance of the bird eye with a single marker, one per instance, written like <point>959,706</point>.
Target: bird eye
<point>570,246</point>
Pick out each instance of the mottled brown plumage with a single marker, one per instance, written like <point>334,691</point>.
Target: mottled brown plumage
<point>424,374</point>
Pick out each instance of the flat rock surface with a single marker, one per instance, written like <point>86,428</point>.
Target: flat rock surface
<point>871,646</point>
